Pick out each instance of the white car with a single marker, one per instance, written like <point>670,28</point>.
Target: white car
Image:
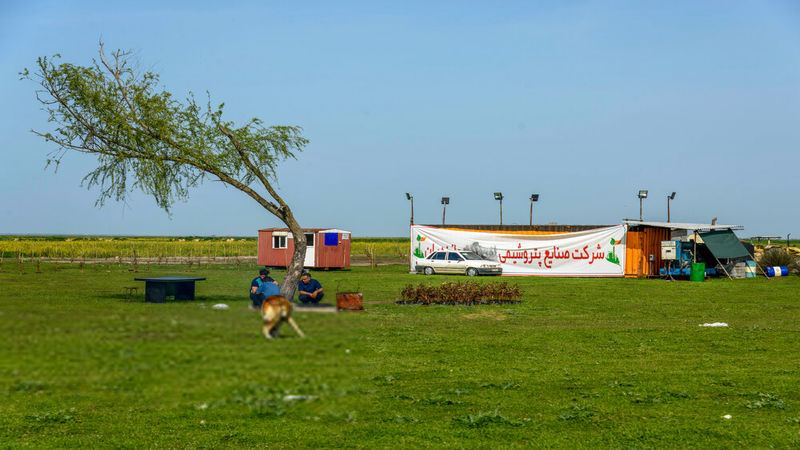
<point>450,261</point>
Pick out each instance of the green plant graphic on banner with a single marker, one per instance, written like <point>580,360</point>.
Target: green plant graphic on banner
<point>612,255</point>
<point>418,251</point>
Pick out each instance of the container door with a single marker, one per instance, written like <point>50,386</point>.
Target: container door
<point>633,254</point>
<point>311,248</point>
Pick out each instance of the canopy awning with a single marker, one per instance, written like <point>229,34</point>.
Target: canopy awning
<point>724,244</point>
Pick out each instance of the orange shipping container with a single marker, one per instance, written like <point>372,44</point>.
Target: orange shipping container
<point>641,242</point>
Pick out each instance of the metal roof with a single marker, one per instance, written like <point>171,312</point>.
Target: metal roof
<point>335,230</point>
<point>309,230</point>
<point>683,225</point>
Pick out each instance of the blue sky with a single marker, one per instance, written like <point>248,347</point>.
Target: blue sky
<point>584,103</point>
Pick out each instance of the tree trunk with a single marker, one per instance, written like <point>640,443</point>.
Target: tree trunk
<point>295,269</point>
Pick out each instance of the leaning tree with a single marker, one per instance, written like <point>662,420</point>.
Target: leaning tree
<point>145,139</point>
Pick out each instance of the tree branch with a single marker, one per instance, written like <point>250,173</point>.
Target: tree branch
<point>252,168</point>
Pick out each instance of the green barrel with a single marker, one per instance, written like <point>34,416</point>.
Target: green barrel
<point>698,272</point>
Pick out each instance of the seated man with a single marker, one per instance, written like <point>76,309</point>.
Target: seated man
<point>267,290</point>
<point>309,289</point>
<point>262,279</point>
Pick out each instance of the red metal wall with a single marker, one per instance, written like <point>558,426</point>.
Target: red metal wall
<point>268,256</point>
<point>330,256</point>
<point>325,256</point>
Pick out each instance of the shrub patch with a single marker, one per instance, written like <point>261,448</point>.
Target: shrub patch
<point>460,293</point>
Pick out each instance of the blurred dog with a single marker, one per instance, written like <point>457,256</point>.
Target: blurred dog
<point>275,310</point>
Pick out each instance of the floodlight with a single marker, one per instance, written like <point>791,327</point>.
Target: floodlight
<point>411,197</point>
<point>534,198</point>
<point>445,202</point>
<point>669,197</point>
<point>642,195</point>
<point>499,196</point>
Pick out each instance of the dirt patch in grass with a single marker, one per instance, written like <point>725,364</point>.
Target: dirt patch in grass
<point>484,315</point>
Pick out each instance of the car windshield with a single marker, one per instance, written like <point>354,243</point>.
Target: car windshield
<point>471,256</point>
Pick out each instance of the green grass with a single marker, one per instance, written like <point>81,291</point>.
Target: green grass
<point>194,247</point>
<point>580,363</point>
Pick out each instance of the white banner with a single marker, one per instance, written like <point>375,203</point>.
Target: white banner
<point>594,253</point>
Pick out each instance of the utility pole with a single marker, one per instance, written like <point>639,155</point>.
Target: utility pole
<point>669,197</point>
<point>499,196</point>
<point>411,197</point>
<point>534,198</point>
<point>642,195</point>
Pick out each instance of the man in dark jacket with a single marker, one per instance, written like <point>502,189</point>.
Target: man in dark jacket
<point>255,296</point>
<point>309,289</point>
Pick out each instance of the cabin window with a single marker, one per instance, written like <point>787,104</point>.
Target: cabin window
<point>278,241</point>
<point>310,239</point>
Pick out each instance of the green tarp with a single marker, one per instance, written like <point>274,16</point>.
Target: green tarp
<point>724,244</point>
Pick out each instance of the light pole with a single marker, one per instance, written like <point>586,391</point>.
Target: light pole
<point>669,197</point>
<point>445,202</point>
<point>411,197</point>
<point>534,198</point>
<point>499,196</point>
<point>642,194</point>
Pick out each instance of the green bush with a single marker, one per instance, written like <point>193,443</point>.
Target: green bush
<point>778,257</point>
<point>460,293</point>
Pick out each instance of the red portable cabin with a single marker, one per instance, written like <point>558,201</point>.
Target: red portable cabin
<point>327,248</point>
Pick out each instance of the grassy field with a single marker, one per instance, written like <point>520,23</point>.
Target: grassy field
<point>579,363</point>
<point>128,248</point>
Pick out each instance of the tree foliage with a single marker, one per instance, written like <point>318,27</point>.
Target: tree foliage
<point>145,139</point>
